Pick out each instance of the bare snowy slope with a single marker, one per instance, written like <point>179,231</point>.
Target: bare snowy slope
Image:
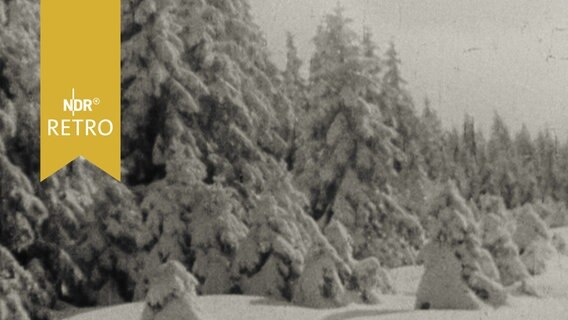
<point>393,307</point>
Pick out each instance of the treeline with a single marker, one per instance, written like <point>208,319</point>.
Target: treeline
<point>517,167</point>
<point>349,75</point>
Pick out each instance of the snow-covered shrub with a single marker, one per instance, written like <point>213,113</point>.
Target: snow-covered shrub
<point>533,238</point>
<point>368,275</point>
<point>172,295</point>
<point>458,273</point>
<point>320,284</point>
<point>498,241</point>
<point>371,279</point>
<point>497,224</point>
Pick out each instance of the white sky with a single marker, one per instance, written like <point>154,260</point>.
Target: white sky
<point>473,56</point>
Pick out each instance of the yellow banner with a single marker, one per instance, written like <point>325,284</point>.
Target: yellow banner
<point>80,84</point>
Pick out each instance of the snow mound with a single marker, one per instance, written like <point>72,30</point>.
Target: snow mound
<point>172,295</point>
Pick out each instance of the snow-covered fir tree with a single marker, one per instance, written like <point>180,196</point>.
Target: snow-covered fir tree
<point>346,165</point>
<point>294,85</point>
<point>459,273</point>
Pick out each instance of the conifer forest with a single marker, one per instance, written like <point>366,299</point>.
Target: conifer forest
<point>325,187</point>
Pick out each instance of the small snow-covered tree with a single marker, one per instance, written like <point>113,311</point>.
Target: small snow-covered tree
<point>172,295</point>
<point>459,273</point>
<point>497,240</point>
<point>533,238</point>
<point>367,273</point>
<point>497,225</point>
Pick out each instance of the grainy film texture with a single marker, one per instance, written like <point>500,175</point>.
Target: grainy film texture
<point>300,160</point>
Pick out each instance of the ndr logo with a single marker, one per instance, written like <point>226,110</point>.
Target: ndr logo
<point>79,105</point>
<point>81,126</point>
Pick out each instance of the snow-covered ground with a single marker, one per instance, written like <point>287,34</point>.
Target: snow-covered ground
<point>393,307</point>
<point>553,305</point>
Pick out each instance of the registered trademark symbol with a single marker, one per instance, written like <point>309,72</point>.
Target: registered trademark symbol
<point>96,101</point>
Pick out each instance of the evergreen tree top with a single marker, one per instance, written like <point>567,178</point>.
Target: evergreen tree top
<point>393,76</point>
<point>293,62</point>
<point>335,42</point>
<point>369,46</point>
